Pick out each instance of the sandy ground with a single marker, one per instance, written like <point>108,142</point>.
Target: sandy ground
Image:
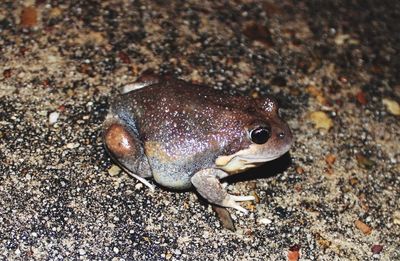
<point>333,65</point>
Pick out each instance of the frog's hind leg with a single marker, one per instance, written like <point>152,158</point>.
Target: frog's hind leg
<point>207,184</point>
<point>125,148</point>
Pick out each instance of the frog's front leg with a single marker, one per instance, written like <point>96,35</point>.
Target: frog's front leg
<point>207,183</point>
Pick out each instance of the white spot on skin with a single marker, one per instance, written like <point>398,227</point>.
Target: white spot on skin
<point>125,142</point>
<point>269,106</point>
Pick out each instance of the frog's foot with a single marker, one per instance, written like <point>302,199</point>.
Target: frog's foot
<point>207,184</point>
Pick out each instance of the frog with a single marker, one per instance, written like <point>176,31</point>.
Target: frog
<point>186,135</point>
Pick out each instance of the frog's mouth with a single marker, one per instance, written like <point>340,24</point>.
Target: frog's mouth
<point>246,159</point>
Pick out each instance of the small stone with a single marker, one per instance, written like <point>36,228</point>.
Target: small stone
<point>265,221</point>
<point>28,16</point>
<point>392,106</point>
<point>396,217</point>
<point>330,159</point>
<point>299,170</point>
<point>53,117</point>
<point>224,217</point>
<point>124,57</point>
<point>321,120</point>
<point>325,243</point>
<point>376,249</point>
<point>168,256</point>
<point>255,94</point>
<point>258,32</point>
<point>364,162</point>
<point>42,113</point>
<point>317,93</point>
<point>294,253</point>
<point>55,12</point>
<point>353,181</point>
<point>340,39</point>
<point>114,170</point>
<point>7,73</point>
<point>72,145</point>
<point>363,227</point>
<point>361,98</point>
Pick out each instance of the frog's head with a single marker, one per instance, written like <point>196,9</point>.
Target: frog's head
<point>264,137</point>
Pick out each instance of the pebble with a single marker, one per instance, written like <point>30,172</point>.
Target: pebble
<point>72,145</point>
<point>138,185</point>
<point>392,106</point>
<point>294,253</point>
<point>330,159</point>
<point>396,217</point>
<point>363,227</point>
<point>265,221</point>
<point>114,170</point>
<point>376,249</point>
<point>29,16</point>
<point>53,117</point>
<point>321,120</point>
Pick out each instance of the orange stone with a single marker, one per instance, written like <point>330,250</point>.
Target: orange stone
<point>29,16</point>
<point>363,227</point>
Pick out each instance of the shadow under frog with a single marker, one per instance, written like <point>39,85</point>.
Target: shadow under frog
<point>185,135</point>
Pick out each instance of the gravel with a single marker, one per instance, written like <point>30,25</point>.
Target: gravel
<point>334,197</point>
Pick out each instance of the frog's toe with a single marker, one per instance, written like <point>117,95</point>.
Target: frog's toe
<point>230,202</point>
<point>242,198</point>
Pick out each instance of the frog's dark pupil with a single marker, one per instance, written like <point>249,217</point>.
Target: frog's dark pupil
<point>260,135</point>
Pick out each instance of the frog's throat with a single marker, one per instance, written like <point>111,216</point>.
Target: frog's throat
<point>244,159</point>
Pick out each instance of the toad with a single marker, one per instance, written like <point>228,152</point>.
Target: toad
<point>185,135</point>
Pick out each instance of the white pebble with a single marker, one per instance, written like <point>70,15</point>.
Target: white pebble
<point>53,117</point>
<point>265,221</point>
<point>139,186</point>
<point>114,170</point>
<point>72,145</point>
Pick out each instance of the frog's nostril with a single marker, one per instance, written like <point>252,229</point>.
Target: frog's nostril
<point>281,135</point>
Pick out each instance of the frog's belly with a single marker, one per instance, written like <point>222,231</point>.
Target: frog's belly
<point>171,175</point>
<point>174,169</point>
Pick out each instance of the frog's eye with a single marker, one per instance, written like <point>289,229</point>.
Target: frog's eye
<point>260,135</point>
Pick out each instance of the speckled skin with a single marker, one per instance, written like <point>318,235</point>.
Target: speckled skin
<point>171,129</point>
